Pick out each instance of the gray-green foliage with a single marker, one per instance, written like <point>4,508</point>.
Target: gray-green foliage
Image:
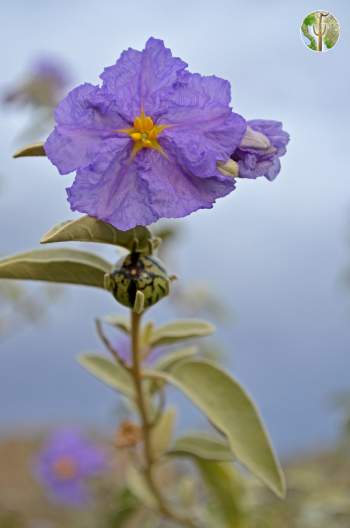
<point>88,229</point>
<point>214,391</point>
<point>68,266</point>
<point>225,494</point>
<point>230,410</point>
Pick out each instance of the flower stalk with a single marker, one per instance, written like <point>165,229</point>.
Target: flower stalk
<point>146,426</point>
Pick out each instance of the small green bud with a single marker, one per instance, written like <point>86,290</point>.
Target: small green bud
<point>138,273</point>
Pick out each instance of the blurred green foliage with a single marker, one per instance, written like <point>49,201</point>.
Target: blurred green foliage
<point>318,496</point>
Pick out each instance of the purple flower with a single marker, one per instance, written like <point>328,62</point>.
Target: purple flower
<point>65,463</point>
<point>51,70</point>
<point>146,144</point>
<point>123,347</point>
<point>262,145</point>
<point>43,86</point>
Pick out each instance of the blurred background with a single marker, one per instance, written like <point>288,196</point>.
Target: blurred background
<point>274,256</point>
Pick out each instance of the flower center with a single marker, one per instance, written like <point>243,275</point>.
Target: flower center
<point>65,468</point>
<point>144,134</point>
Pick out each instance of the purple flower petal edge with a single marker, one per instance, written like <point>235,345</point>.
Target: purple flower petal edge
<point>126,191</point>
<point>262,160</point>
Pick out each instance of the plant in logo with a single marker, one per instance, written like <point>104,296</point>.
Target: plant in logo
<point>321,30</point>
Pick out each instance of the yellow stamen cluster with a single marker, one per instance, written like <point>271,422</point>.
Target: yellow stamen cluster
<point>65,468</point>
<point>144,133</point>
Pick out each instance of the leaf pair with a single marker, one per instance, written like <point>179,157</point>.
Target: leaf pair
<point>227,406</point>
<point>73,266</point>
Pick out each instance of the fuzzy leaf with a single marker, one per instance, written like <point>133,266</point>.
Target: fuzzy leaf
<point>226,490</point>
<point>138,485</point>
<point>110,373</point>
<point>162,433</point>
<point>180,331</point>
<point>69,266</point>
<point>88,229</point>
<point>171,359</point>
<point>231,411</point>
<point>117,321</point>
<point>37,149</point>
<point>203,446</point>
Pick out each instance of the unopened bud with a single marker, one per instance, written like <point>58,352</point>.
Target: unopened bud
<point>138,273</point>
<point>229,168</point>
<point>255,140</point>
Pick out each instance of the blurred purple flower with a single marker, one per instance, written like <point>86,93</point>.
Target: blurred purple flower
<point>123,346</point>
<point>262,145</point>
<point>64,465</point>
<point>50,69</point>
<point>43,86</point>
<point>146,144</point>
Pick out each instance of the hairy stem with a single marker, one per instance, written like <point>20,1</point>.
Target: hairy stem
<point>146,425</point>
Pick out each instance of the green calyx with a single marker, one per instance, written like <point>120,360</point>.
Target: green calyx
<point>138,273</point>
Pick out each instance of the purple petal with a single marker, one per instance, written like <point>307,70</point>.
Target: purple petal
<point>71,493</point>
<point>138,79</point>
<point>256,162</point>
<point>273,131</point>
<point>87,458</point>
<point>113,191</point>
<point>176,193</point>
<point>123,346</point>
<point>206,130</point>
<point>85,120</point>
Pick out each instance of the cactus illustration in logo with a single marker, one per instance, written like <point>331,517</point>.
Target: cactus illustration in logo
<point>321,30</point>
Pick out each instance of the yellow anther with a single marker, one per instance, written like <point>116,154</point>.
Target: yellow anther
<point>144,133</point>
<point>152,134</point>
<point>148,123</point>
<point>138,123</point>
<point>136,136</point>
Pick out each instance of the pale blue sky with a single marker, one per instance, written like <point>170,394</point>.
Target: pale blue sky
<point>274,251</point>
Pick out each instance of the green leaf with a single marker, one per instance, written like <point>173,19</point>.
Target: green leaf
<point>231,411</point>
<point>180,331</point>
<point>162,433</point>
<point>138,485</point>
<point>56,265</point>
<point>122,507</point>
<point>170,360</point>
<point>226,489</point>
<point>117,321</point>
<point>37,149</point>
<point>88,229</point>
<point>203,446</point>
<point>110,373</point>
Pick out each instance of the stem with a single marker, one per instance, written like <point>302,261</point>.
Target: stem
<point>108,344</point>
<point>147,426</point>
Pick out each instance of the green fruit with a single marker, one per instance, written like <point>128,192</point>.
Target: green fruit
<point>138,272</point>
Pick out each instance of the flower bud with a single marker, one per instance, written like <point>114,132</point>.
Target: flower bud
<point>255,139</point>
<point>138,273</point>
<point>229,168</point>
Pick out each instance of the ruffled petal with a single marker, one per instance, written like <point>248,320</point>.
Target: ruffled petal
<point>121,81</point>
<point>273,130</point>
<point>86,120</point>
<point>255,161</point>
<point>175,193</point>
<point>139,78</point>
<point>112,191</point>
<point>204,129</point>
